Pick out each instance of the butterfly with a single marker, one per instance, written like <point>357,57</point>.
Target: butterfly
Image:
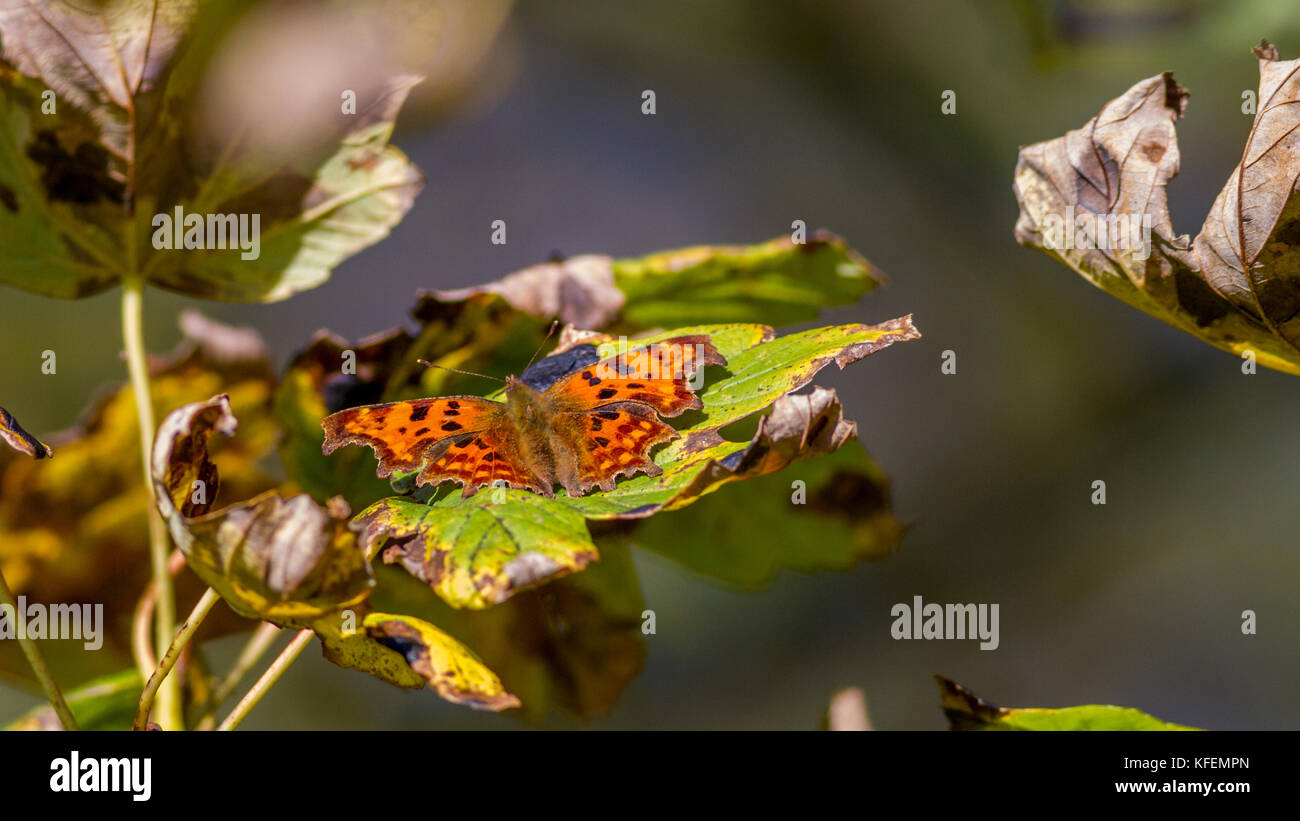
<point>588,428</point>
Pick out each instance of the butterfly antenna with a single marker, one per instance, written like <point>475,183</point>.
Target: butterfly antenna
<point>554,325</point>
<point>429,364</point>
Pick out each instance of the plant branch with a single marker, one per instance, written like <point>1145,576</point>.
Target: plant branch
<point>268,678</point>
<point>168,661</point>
<point>257,645</point>
<point>142,620</point>
<point>52,691</point>
<point>169,706</point>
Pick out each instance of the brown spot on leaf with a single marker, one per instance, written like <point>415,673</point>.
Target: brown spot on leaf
<point>81,176</point>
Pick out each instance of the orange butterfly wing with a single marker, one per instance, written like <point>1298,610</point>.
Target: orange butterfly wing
<point>606,419</point>
<point>480,459</point>
<point>401,433</point>
<point>600,423</point>
<point>657,375</point>
<point>596,447</point>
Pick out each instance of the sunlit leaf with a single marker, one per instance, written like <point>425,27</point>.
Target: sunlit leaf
<point>479,552</point>
<point>966,711</point>
<point>410,652</point>
<point>776,282</point>
<point>571,646</point>
<point>91,181</point>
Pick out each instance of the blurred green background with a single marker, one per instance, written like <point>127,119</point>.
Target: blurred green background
<point>829,111</point>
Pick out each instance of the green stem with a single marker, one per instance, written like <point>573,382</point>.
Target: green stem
<point>169,701</point>
<point>270,677</point>
<point>168,660</point>
<point>257,645</point>
<point>52,691</point>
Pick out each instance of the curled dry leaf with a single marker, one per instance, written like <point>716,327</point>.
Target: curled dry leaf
<point>287,561</point>
<point>1095,199</point>
<point>297,564</point>
<point>13,435</point>
<point>578,291</point>
<point>967,711</point>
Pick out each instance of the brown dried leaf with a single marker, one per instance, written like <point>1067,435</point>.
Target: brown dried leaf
<point>287,561</point>
<point>578,291</point>
<point>1237,286</point>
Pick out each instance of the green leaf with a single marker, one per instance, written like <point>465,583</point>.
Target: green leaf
<point>106,703</point>
<point>966,711</point>
<point>1236,284</point>
<point>763,373</point>
<point>843,516</point>
<point>477,552</point>
<point>777,282</point>
<point>86,189</point>
<point>572,646</point>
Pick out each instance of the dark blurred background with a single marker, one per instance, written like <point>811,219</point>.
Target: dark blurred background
<point>829,112</point>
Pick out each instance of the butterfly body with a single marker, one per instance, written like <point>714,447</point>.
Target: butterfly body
<point>585,430</point>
